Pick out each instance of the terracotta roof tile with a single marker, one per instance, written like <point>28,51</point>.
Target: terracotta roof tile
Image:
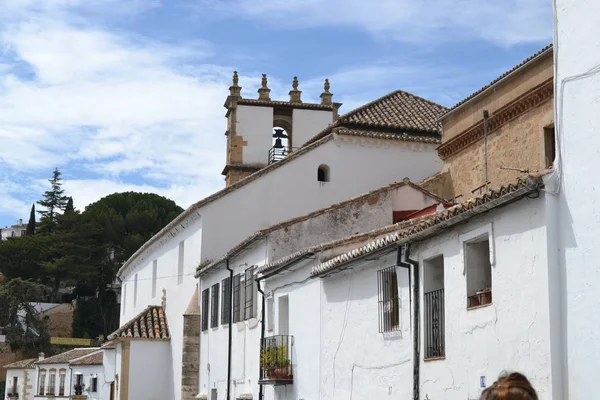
<point>91,359</point>
<point>390,135</point>
<point>285,104</point>
<point>498,79</point>
<point>66,357</point>
<point>149,324</point>
<point>22,364</point>
<point>423,227</point>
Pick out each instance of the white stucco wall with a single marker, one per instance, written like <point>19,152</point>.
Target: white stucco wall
<point>577,76</point>
<point>307,123</point>
<point>245,335</point>
<point>56,370</point>
<point>511,334</point>
<point>149,362</point>
<point>20,374</point>
<point>255,126</point>
<point>88,371</point>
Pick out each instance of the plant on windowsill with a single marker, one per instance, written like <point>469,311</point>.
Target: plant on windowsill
<point>12,396</point>
<point>275,362</point>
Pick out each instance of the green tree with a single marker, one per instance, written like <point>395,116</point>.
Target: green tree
<point>54,202</point>
<point>19,320</point>
<point>31,223</point>
<point>22,258</point>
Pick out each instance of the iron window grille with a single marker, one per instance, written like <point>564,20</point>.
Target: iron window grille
<point>389,303</point>
<point>237,289</point>
<point>249,293</point>
<point>214,311</point>
<point>226,302</point>
<point>434,324</point>
<point>205,309</point>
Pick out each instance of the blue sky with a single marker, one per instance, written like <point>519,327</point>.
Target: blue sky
<point>128,94</point>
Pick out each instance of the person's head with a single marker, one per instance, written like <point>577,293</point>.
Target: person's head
<point>513,386</point>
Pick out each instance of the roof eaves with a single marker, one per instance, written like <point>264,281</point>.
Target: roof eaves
<point>506,75</point>
<point>194,207</point>
<point>431,225</point>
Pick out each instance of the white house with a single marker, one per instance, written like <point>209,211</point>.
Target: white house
<point>13,231</point>
<point>435,308</point>
<point>20,380</point>
<point>64,373</point>
<point>358,152</point>
<point>231,278</point>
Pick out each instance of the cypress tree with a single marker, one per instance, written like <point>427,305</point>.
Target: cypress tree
<point>31,223</point>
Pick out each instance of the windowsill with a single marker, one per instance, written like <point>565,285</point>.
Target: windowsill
<point>434,359</point>
<point>479,306</point>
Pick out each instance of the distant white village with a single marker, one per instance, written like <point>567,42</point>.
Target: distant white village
<point>402,250</point>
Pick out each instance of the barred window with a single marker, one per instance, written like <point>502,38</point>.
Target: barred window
<point>214,309</point>
<point>237,301</point>
<point>389,304</point>
<point>226,302</point>
<point>205,309</point>
<point>249,289</point>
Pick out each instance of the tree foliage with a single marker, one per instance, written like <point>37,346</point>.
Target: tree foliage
<point>31,223</point>
<point>54,202</point>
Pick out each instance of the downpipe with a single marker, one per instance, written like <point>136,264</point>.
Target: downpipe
<point>262,332</point>
<point>407,262</point>
<point>230,339</point>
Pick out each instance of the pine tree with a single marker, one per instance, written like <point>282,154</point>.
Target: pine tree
<point>31,223</point>
<point>54,201</point>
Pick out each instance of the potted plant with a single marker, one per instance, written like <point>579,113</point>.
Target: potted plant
<point>275,362</point>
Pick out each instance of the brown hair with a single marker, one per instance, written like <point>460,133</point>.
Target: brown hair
<point>514,386</point>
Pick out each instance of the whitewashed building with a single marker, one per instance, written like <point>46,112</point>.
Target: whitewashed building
<point>13,231</point>
<point>430,308</point>
<point>20,380</point>
<point>344,157</point>
<point>232,278</point>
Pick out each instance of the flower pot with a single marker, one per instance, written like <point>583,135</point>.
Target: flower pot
<point>279,373</point>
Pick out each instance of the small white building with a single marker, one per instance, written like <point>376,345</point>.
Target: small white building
<point>342,158</point>
<point>431,308</point>
<point>14,231</point>
<point>20,380</point>
<point>233,277</point>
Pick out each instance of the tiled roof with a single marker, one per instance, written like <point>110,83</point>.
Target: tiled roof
<point>285,104</point>
<point>92,359</point>
<point>261,233</point>
<point>66,357</point>
<point>432,139</point>
<point>23,364</point>
<point>398,113</point>
<point>149,324</point>
<point>428,225</point>
<point>498,79</point>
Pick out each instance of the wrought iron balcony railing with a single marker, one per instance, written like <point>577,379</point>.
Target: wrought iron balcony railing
<point>434,324</point>
<point>279,153</point>
<point>276,360</point>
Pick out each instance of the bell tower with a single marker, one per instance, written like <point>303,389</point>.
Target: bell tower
<point>263,131</point>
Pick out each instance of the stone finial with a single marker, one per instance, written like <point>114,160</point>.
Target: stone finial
<point>163,299</point>
<point>235,90</point>
<point>326,96</point>
<point>295,93</point>
<point>264,91</point>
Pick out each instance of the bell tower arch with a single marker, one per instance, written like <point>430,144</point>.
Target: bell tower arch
<point>263,131</point>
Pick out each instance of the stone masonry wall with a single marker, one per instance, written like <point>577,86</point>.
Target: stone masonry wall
<point>190,366</point>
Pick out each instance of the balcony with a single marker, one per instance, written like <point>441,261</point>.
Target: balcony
<point>276,360</point>
<point>434,325</point>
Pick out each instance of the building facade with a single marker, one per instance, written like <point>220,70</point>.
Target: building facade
<point>20,380</point>
<point>13,231</point>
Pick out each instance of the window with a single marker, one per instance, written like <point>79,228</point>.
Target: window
<point>15,385</point>
<point>135,279</point>
<point>549,146</point>
<point>51,384</point>
<point>270,316</point>
<point>433,308</point>
<point>479,271</point>
<point>389,305</point>
<point>123,306</point>
<point>213,394</point>
<point>94,384</point>
<point>205,309</point>
<point>249,289</point>
<point>214,306</point>
<point>237,301</point>
<point>41,382</point>
<point>180,264</point>
<point>226,306</point>
<point>61,383</point>
<point>323,173</point>
<point>22,233</point>
<point>154,272</point>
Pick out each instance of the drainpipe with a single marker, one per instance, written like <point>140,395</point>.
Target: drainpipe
<point>414,265</point>
<point>230,330</point>
<point>262,332</point>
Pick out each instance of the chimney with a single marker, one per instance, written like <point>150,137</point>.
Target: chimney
<point>41,357</point>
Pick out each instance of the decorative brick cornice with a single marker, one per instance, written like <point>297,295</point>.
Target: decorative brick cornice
<point>501,117</point>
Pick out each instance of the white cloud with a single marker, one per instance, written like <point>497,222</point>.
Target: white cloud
<point>505,22</point>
